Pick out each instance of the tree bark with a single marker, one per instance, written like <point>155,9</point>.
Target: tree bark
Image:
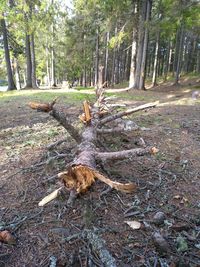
<point>11,84</point>
<point>145,45</point>
<point>155,66</point>
<point>28,63</point>
<point>198,60</point>
<point>33,62</point>
<point>140,42</point>
<point>133,58</point>
<point>106,57</point>
<point>168,60</point>
<point>179,58</point>
<point>97,59</point>
<point>17,76</point>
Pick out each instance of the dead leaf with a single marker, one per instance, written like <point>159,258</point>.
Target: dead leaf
<point>134,224</point>
<point>154,150</point>
<point>5,236</point>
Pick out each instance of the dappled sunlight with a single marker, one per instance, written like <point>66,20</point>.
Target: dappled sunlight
<point>16,140</point>
<point>180,102</point>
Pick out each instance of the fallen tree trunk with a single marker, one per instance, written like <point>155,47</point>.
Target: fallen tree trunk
<point>81,173</point>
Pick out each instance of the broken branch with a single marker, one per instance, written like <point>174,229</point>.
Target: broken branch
<point>127,112</point>
<point>125,154</point>
<point>62,119</point>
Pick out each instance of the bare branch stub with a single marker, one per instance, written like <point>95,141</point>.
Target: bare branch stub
<point>82,172</point>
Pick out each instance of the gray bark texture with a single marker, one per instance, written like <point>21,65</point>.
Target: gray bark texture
<point>155,66</point>
<point>145,45</point>
<point>179,58</point>
<point>11,84</point>
<point>33,61</point>
<point>28,63</point>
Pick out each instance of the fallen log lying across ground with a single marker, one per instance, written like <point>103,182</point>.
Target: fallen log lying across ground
<point>81,173</point>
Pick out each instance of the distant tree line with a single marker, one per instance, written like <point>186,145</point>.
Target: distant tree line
<point>98,43</point>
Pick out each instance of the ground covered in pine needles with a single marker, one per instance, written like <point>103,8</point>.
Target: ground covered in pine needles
<point>166,204</point>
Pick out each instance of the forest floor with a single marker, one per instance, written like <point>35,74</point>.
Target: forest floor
<point>168,182</point>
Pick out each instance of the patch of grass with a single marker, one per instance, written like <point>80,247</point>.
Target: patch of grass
<point>44,96</point>
<point>121,85</point>
<point>134,96</point>
<point>196,87</point>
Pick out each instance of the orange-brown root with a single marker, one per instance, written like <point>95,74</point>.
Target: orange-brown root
<point>81,177</point>
<point>45,107</point>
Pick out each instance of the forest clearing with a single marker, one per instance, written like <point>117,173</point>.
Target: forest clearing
<point>167,183</point>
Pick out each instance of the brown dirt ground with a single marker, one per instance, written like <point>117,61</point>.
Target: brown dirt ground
<point>168,182</point>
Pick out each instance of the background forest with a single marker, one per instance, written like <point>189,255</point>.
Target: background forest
<point>98,42</point>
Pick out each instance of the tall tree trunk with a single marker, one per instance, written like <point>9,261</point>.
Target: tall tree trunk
<point>97,59</point>
<point>140,41</point>
<point>17,77</point>
<point>179,58</point>
<point>133,60</point>
<point>116,72</point>
<point>84,57</point>
<point>53,69</point>
<point>114,62</point>
<point>198,61</point>
<point>175,55</point>
<point>11,84</point>
<point>155,66</point>
<point>106,57</point>
<point>47,68</point>
<point>128,64</point>
<point>145,45</point>
<point>53,80</point>
<point>33,74</point>
<point>168,60</point>
<point>113,67</point>
<point>28,63</point>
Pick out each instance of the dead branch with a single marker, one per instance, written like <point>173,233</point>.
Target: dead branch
<point>117,130</point>
<point>58,142</point>
<point>50,197</point>
<point>64,121</point>
<point>125,154</point>
<point>127,112</point>
<point>45,107</point>
<point>98,246</point>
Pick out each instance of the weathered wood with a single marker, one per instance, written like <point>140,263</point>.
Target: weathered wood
<point>99,246</point>
<point>125,154</point>
<point>50,197</point>
<point>127,112</point>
